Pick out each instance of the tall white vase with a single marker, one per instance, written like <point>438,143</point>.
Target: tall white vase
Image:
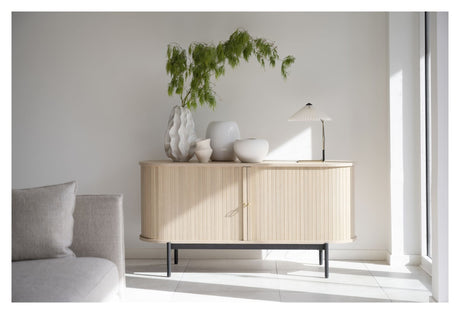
<point>180,135</point>
<point>223,134</point>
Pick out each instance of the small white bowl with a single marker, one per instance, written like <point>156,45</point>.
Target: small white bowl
<point>203,144</point>
<point>203,155</point>
<point>251,149</point>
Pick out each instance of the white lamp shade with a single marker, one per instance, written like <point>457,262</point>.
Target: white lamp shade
<point>309,113</point>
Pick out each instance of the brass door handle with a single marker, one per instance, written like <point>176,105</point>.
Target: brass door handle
<point>246,204</point>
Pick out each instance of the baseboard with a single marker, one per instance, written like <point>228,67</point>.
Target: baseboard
<point>406,259</point>
<point>358,255</point>
<point>160,252</point>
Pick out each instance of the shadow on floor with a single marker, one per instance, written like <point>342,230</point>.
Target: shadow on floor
<point>152,277</point>
<point>238,292</point>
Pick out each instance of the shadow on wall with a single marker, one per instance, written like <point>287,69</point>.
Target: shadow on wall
<point>287,140</point>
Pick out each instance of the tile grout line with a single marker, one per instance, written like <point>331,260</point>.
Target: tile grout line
<point>180,279</point>
<point>378,283</point>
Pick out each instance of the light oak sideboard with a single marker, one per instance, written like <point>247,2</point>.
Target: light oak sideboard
<point>237,203</point>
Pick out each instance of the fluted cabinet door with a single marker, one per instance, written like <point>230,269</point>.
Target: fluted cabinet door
<point>300,204</point>
<point>192,203</point>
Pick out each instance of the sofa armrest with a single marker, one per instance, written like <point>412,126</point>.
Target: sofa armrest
<point>98,229</point>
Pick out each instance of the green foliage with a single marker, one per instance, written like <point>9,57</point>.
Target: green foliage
<point>196,66</point>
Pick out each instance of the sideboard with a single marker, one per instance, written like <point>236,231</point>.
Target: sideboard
<point>247,205</point>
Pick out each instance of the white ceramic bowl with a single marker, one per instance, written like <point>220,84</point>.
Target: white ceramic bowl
<point>251,149</point>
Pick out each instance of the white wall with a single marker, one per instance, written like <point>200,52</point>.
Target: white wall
<point>90,100</point>
<point>405,160</point>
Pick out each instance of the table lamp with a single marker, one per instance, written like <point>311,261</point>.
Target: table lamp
<point>309,113</point>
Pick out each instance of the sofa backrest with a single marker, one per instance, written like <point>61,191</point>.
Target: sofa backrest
<point>98,229</point>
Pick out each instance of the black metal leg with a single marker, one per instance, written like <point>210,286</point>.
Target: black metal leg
<point>168,259</point>
<point>253,246</point>
<point>326,260</point>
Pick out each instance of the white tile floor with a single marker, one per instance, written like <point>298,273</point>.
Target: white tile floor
<point>286,277</point>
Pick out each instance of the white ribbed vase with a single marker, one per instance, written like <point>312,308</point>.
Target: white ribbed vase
<point>180,135</point>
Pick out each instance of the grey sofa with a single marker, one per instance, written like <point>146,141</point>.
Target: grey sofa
<point>97,271</point>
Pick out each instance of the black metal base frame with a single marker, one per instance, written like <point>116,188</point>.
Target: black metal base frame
<point>246,246</point>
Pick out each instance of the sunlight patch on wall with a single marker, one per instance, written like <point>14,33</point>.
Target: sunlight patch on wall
<point>295,148</point>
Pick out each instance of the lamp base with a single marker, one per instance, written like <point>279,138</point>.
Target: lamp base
<point>316,160</point>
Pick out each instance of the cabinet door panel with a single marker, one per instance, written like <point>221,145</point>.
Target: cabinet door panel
<point>198,204</point>
<point>300,204</point>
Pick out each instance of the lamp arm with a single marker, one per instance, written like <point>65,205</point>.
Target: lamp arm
<point>324,140</point>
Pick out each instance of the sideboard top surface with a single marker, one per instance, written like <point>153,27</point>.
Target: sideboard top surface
<point>268,163</point>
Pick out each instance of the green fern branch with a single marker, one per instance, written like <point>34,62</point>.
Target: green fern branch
<point>196,66</point>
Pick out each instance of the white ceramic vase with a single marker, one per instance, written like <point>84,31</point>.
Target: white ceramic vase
<point>251,149</point>
<point>203,150</point>
<point>223,134</point>
<point>180,135</point>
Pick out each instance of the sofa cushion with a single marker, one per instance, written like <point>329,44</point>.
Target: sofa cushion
<point>72,279</point>
<point>42,221</point>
